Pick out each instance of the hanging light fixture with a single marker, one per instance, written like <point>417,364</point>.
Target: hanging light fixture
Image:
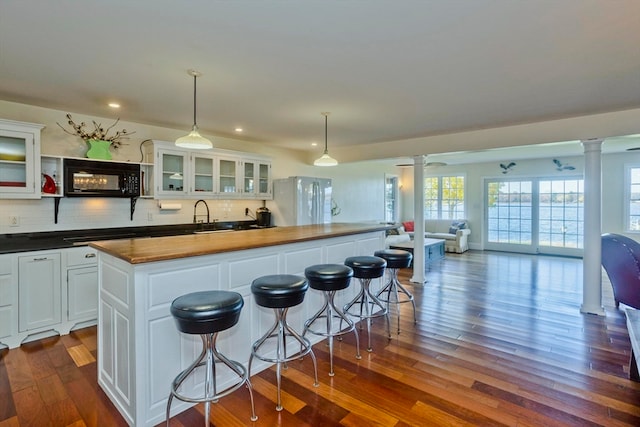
<point>194,139</point>
<point>325,159</point>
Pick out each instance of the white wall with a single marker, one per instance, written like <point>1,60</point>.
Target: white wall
<point>613,183</point>
<point>358,187</point>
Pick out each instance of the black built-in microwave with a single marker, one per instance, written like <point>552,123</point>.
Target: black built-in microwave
<point>85,178</point>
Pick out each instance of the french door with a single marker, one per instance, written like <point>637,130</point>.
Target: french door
<point>536,215</point>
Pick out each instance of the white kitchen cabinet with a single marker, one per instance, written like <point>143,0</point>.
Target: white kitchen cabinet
<point>39,290</point>
<point>82,284</point>
<point>19,160</point>
<point>202,175</point>
<point>256,179</point>
<point>229,186</point>
<point>8,297</point>
<point>171,172</point>
<point>207,174</point>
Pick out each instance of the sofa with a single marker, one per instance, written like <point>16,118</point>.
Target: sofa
<point>455,233</point>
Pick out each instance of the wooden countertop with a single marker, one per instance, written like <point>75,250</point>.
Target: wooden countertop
<point>142,250</point>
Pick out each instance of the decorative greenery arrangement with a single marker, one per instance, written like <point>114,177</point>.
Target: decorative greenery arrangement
<point>98,132</point>
<point>335,209</point>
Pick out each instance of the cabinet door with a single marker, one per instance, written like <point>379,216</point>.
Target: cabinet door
<point>228,172</point>
<point>18,168</point>
<point>82,293</point>
<point>171,173</point>
<point>7,292</point>
<point>38,291</point>
<point>256,179</point>
<point>203,175</point>
<point>264,181</point>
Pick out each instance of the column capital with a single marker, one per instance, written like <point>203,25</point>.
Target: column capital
<point>592,144</point>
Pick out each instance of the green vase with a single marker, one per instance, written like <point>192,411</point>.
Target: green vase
<point>99,149</point>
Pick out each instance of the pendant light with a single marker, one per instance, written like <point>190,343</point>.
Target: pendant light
<point>194,139</point>
<point>325,159</point>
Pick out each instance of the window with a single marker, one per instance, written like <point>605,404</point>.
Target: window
<point>633,198</point>
<point>444,197</point>
<point>391,198</point>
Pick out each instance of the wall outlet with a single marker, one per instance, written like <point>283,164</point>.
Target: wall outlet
<point>14,221</point>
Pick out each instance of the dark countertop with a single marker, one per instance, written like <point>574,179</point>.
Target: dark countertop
<point>38,241</point>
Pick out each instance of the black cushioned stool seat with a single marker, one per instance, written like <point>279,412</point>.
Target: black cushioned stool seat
<point>280,292</point>
<point>369,306</point>
<point>206,313</point>
<point>395,292</point>
<point>329,278</point>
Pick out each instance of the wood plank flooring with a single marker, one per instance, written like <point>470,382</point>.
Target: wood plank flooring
<point>499,341</point>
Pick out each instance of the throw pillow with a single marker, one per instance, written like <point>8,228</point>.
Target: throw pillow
<point>392,232</point>
<point>408,225</point>
<point>453,230</point>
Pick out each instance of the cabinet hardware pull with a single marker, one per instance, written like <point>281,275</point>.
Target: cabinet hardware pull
<point>90,256</point>
<point>41,259</point>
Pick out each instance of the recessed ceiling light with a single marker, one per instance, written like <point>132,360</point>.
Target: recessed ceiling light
<point>314,144</point>
<point>114,105</point>
<point>239,129</point>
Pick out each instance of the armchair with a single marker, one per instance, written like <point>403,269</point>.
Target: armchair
<point>621,261</point>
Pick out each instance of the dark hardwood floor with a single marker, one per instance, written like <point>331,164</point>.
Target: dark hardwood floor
<point>499,341</point>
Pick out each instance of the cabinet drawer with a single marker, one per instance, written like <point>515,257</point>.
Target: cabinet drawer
<point>83,255</point>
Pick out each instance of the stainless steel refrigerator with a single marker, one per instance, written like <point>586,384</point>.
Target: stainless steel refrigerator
<point>303,200</point>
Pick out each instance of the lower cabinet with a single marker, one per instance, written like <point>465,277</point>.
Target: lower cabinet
<point>7,296</point>
<point>39,291</point>
<point>47,292</point>
<point>82,293</point>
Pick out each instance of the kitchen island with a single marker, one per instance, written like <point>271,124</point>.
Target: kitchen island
<point>140,350</point>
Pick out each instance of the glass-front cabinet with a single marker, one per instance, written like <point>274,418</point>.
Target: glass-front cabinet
<point>203,178</point>
<point>172,168</point>
<point>228,172</point>
<point>19,160</point>
<point>215,174</point>
<point>256,178</point>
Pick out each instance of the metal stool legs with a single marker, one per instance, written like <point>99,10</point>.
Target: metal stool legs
<point>208,358</point>
<point>394,287</point>
<point>329,312</point>
<point>368,304</point>
<point>280,331</point>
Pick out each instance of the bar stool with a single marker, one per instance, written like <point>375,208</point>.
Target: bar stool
<point>206,314</point>
<point>279,292</point>
<point>330,278</point>
<point>396,259</point>
<point>366,268</point>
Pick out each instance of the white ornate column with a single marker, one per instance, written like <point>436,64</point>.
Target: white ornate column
<point>418,219</point>
<point>591,262</point>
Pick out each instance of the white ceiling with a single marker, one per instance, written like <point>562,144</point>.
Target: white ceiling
<point>386,70</point>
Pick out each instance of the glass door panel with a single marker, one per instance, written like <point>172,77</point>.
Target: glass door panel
<point>249,177</point>
<point>509,212</point>
<point>203,176</point>
<point>263,186</point>
<point>561,214</point>
<point>172,172</point>
<point>13,162</point>
<point>227,176</point>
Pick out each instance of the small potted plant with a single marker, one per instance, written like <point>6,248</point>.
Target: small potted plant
<point>98,139</point>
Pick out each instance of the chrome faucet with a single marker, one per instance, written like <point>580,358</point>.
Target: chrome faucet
<point>196,206</point>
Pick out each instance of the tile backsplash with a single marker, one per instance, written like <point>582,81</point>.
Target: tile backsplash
<point>99,212</point>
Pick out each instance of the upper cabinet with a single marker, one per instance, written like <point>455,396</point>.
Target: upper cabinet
<point>256,179</point>
<point>215,174</point>
<point>20,159</point>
